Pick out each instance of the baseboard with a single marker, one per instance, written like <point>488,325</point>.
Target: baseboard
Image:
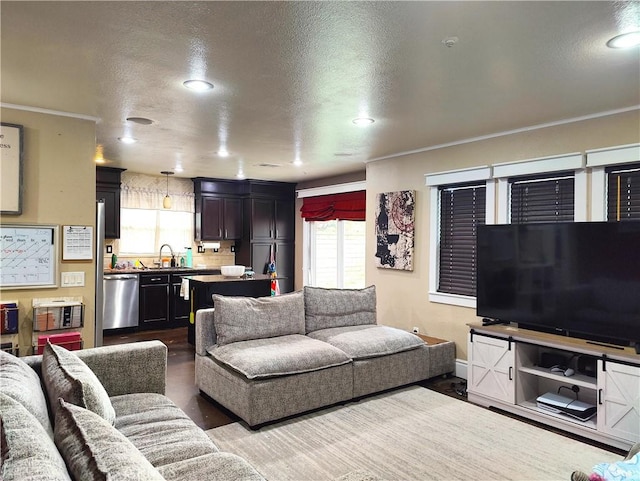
<point>461,369</point>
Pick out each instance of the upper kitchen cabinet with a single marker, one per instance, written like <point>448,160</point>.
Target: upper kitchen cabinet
<point>108,189</point>
<point>218,209</point>
<point>270,211</point>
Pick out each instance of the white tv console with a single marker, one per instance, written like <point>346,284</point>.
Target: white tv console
<point>504,372</point>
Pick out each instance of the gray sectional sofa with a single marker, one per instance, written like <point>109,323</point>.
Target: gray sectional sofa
<point>269,358</point>
<point>109,420</point>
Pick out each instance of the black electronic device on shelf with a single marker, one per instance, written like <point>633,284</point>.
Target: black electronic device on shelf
<point>580,279</point>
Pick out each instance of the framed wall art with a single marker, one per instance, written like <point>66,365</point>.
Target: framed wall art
<point>394,217</point>
<point>11,143</point>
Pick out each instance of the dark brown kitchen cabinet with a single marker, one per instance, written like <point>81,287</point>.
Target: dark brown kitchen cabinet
<point>218,209</point>
<point>108,189</point>
<point>269,227</point>
<point>179,307</point>
<point>220,218</point>
<point>154,301</point>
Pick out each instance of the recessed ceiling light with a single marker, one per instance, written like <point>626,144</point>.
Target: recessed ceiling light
<point>198,85</point>
<point>240,175</point>
<point>626,40</point>
<point>127,140</point>
<point>223,153</point>
<point>363,121</point>
<point>297,162</point>
<point>140,120</point>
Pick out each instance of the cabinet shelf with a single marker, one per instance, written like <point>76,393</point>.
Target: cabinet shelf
<point>531,404</point>
<point>577,379</point>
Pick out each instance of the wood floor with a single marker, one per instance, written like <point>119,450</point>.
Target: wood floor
<point>204,411</point>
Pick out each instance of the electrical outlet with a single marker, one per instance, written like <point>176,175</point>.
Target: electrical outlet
<point>200,250</point>
<point>216,250</point>
<point>233,248</point>
<point>109,249</point>
<point>415,330</point>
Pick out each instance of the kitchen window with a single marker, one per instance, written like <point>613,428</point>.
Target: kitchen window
<point>145,225</point>
<point>143,231</point>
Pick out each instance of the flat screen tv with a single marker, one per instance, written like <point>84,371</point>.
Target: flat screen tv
<point>580,279</point>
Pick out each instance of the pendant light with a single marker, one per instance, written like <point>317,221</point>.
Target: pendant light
<point>166,202</point>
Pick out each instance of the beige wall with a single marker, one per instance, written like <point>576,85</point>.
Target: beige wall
<point>402,295</point>
<point>59,188</point>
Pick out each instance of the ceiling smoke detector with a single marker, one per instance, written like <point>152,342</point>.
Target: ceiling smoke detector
<point>450,41</point>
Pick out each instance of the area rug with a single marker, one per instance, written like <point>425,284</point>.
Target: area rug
<point>408,434</point>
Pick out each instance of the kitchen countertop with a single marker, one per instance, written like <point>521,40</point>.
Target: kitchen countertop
<point>165,270</point>
<point>220,278</point>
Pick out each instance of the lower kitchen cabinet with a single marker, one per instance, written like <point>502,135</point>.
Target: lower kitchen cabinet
<point>154,301</point>
<point>179,307</point>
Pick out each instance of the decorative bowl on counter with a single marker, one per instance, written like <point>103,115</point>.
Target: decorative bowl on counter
<point>232,271</point>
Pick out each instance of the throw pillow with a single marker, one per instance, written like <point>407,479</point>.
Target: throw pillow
<point>247,318</point>
<point>20,382</point>
<point>326,308</point>
<point>66,376</point>
<point>28,450</point>
<point>95,450</point>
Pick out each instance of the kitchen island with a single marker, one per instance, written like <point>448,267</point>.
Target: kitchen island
<point>202,288</point>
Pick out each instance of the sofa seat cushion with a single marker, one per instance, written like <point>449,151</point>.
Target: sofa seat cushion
<point>278,356</point>
<point>327,308</point>
<point>219,466</point>
<point>27,448</point>
<point>20,382</point>
<point>95,451</point>
<point>361,342</point>
<point>162,432</point>
<point>66,376</point>
<point>246,318</point>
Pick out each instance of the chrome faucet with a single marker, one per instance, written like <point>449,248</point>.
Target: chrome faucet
<point>160,253</point>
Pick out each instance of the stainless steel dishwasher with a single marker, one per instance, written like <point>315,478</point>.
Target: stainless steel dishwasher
<point>121,297</point>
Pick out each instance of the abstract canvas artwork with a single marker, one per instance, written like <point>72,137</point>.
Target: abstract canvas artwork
<point>395,213</point>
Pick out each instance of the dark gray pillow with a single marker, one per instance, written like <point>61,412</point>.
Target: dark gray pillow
<point>96,451</point>
<point>246,318</point>
<point>66,376</point>
<point>28,451</point>
<point>20,382</point>
<point>327,308</point>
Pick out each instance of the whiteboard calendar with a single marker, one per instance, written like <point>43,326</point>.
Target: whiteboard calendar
<point>29,256</point>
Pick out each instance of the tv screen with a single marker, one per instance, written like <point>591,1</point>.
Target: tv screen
<point>581,279</point>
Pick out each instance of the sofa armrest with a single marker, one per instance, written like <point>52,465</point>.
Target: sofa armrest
<point>205,330</point>
<point>124,368</point>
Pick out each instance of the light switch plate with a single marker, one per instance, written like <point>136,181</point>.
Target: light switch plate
<point>72,279</point>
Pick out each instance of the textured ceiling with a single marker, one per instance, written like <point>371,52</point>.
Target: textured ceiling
<point>290,76</point>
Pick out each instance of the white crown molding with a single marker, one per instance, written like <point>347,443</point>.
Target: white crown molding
<point>332,189</point>
<point>39,110</point>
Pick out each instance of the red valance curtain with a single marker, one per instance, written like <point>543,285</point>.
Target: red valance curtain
<point>345,206</point>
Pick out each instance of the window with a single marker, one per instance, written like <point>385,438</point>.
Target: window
<point>334,235</point>
<point>542,199</point>
<point>462,209</point>
<point>336,254</point>
<point>623,192</point>
<point>143,231</point>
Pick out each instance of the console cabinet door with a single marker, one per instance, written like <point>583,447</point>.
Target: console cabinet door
<point>619,400</point>
<point>491,368</point>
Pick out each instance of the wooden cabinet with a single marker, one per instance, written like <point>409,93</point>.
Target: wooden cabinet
<point>490,368</point>
<point>154,301</point>
<point>179,308</point>
<point>507,370</point>
<point>108,189</point>
<point>269,228</point>
<point>218,210</point>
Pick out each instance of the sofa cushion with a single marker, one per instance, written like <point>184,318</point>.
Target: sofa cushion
<point>246,318</point>
<point>94,450</point>
<point>326,308</point>
<point>219,466</point>
<point>162,432</point>
<point>278,356</point>
<point>26,446</point>
<point>20,382</point>
<point>361,342</point>
<point>66,376</point>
